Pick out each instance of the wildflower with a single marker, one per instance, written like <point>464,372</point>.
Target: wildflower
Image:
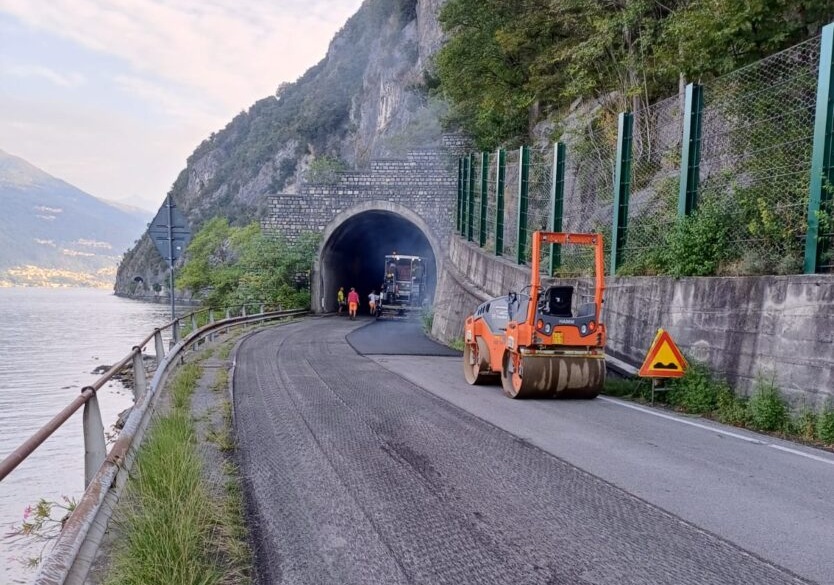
<point>27,511</point>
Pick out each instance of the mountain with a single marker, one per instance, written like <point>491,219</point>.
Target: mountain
<point>368,98</point>
<point>54,234</point>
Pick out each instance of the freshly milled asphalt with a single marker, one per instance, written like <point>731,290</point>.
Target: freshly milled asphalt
<point>355,475</point>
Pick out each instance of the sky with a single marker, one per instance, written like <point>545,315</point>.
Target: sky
<point>113,95</point>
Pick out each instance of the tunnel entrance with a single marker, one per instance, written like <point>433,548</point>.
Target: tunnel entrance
<point>354,256</point>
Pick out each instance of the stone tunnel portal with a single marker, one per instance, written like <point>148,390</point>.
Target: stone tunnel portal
<point>354,255</point>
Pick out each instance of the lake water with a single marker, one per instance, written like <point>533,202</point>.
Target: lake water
<point>50,341</point>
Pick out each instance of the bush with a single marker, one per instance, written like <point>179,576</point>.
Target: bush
<point>825,426</point>
<point>698,243</point>
<point>730,409</point>
<point>766,409</point>
<point>697,392</point>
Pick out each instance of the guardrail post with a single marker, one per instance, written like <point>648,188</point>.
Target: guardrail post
<point>175,332</point>
<point>500,175</point>
<point>523,186</point>
<point>262,309</point>
<point>482,231</point>
<point>228,313</point>
<point>140,383</point>
<point>193,323</point>
<point>557,198</point>
<point>691,150</point>
<point>95,448</point>
<point>243,311</point>
<point>822,161</point>
<point>622,189</point>
<point>159,345</point>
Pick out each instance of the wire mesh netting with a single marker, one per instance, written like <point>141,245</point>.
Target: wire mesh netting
<point>539,197</point>
<point>476,197</point>
<point>589,184</point>
<point>511,187</point>
<point>758,126</point>
<point>655,176</point>
<point>492,203</point>
<point>751,211</point>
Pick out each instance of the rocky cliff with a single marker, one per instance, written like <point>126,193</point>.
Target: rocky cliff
<point>367,98</point>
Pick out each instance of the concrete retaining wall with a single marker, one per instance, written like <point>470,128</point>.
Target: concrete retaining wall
<point>742,327</point>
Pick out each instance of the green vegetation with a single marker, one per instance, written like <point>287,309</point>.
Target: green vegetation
<point>457,344</point>
<point>325,169</point>
<point>173,531</point>
<point>700,392</point>
<point>507,65</point>
<point>228,266</point>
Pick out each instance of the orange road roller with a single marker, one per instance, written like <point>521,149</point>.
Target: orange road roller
<point>535,341</point>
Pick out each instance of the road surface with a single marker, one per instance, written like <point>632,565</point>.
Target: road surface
<point>390,469</point>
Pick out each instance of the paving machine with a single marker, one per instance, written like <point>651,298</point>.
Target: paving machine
<point>404,285</point>
<point>535,342</point>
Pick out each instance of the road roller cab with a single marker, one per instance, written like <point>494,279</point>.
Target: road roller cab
<point>535,342</point>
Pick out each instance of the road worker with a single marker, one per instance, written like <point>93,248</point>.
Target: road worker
<point>353,303</point>
<point>340,297</point>
<point>373,299</point>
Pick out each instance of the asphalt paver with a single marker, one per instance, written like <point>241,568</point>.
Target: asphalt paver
<point>355,475</point>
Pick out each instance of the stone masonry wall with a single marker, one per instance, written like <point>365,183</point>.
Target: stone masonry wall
<point>425,182</point>
<point>742,327</point>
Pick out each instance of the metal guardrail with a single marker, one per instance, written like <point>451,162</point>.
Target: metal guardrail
<point>105,474</point>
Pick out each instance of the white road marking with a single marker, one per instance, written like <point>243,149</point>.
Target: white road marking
<point>717,430</point>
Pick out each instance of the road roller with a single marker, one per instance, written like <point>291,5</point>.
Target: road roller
<point>534,341</point>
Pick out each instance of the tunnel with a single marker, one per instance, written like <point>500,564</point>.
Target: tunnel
<point>353,255</point>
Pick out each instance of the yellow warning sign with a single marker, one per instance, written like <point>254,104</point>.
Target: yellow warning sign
<point>664,359</point>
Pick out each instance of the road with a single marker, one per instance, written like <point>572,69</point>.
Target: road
<point>390,469</point>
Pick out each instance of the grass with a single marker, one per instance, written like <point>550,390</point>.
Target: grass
<point>172,529</point>
<point>457,344</point>
<point>701,393</point>
<point>221,382</point>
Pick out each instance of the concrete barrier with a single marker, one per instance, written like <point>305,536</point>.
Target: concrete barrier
<point>742,327</point>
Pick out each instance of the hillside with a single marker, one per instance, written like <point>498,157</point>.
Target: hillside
<point>367,98</point>
<point>53,234</point>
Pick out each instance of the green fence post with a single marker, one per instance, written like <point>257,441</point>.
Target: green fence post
<point>470,202</point>
<point>500,175</point>
<point>622,189</point>
<point>691,150</point>
<point>523,185</point>
<point>459,210</point>
<point>822,163</point>
<point>463,214</point>
<point>482,233</point>
<point>557,201</point>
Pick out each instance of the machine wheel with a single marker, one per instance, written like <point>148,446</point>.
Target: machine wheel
<point>511,380</point>
<point>475,365</point>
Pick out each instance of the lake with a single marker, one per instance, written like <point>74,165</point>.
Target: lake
<point>50,342</point>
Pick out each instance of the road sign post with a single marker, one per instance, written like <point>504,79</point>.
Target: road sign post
<point>170,234</point>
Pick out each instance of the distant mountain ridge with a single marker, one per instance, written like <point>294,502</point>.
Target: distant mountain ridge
<point>54,234</point>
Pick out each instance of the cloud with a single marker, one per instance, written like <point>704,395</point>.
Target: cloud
<point>159,76</point>
<point>232,53</point>
<point>70,79</point>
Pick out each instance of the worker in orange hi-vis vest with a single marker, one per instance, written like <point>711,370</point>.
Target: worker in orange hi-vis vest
<point>353,303</point>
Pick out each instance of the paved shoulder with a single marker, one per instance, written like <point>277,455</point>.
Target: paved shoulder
<point>396,337</point>
<point>355,475</point>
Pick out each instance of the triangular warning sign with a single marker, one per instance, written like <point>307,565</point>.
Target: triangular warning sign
<point>664,359</point>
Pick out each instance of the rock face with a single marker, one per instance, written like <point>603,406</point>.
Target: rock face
<point>368,98</point>
<point>54,234</point>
